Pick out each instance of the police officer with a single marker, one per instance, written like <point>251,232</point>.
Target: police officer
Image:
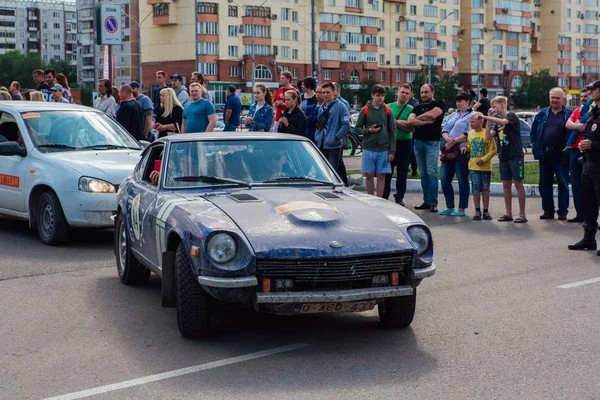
<point>590,179</point>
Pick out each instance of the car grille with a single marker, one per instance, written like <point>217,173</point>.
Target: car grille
<point>335,273</point>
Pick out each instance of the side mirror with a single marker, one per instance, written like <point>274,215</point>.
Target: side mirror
<point>144,143</point>
<point>12,149</point>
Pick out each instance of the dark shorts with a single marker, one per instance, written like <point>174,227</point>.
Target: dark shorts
<point>513,169</point>
<point>480,181</point>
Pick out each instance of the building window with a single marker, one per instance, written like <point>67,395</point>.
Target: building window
<point>327,75</point>
<point>342,75</point>
<point>233,70</point>
<point>233,30</point>
<point>430,11</point>
<point>382,76</point>
<point>161,10</point>
<point>295,73</point>
<point>496,81</point>
<point>295,36</point>
<point>294,54</point>
<point>410,76</point>
<point>263,12</point>
<point>285,14</point>
<point>564,82</point>
<point>381,41</point>
<point>517,82</point>
<point>232,51</point>
<point>208,8</point>
<point>285,33</point>
<point>208,28</point>
<point>397,60</point>
<point>381,59</point>
<point>262,72</point>
<point>397,43</point>
<point>207,68</point>
<point>232,11</point>
<point>354,76</point>
<point>352,3</point>
<point>208,48</point>
<point>411,26</point>
<point>294,16</point>
<point>412,10</point>
<point>331,4</point>
<point>398,75</point>
<point>411,59</point>
<point>285,52</point>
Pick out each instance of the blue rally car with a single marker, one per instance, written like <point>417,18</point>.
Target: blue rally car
<point>263,219</point>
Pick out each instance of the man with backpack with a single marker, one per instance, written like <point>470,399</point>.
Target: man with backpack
<point>378,127</point>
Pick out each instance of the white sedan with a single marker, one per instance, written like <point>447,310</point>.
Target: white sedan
<point>61,166</point>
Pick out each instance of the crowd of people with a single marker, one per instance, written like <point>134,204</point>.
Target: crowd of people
<point>393,136</point>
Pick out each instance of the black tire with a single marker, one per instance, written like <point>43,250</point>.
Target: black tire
<point>194,311</point>
<point>352,145</point>
<point>130,270</point>
<point>51,223</point>
<point>398,312</point>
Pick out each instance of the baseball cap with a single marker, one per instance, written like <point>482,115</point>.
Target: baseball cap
<point>595,85</point>
<point>177,76</point>
<point>57,87</point>
<point>134,84</point>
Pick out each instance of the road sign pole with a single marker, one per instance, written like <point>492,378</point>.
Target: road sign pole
<point>110,66</point>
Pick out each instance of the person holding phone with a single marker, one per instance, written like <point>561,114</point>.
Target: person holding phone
<point>378,127</point>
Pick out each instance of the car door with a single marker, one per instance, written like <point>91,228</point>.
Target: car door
<point>13,168</point>
<point>142,200</point>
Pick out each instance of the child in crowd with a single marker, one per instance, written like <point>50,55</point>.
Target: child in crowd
<point>481,152</point>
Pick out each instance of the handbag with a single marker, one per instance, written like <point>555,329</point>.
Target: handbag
<point>450,154</point>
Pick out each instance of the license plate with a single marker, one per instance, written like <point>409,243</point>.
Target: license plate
<point>356,306</point>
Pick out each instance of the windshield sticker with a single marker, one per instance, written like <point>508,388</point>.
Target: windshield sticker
<point>9,180</point>
<point>135,217</point>
<point>303,205</point>
<point>31,115</point>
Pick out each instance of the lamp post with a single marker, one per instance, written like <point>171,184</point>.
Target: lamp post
<point>139,37</point>
<point>313,34</point>
<point>429,45</point>
<point>478,54</point>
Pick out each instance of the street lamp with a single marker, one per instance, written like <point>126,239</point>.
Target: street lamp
<point>139,34</point>
<point>429,45</point>
<point>319,41</point>
<point>478,54</point>
<point>253,31</point>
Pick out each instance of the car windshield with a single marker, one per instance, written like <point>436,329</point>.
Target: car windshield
<point>76,130</point>
<point>246,163</point>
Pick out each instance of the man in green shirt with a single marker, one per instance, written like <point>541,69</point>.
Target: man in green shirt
<point>401,110</point>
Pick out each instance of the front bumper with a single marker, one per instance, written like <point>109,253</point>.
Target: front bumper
<point>90,210</point>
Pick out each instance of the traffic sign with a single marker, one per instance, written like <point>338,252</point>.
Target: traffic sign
<point>108,26</point>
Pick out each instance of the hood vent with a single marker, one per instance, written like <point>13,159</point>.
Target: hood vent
<point>243,197</point>
<point>328,195</point>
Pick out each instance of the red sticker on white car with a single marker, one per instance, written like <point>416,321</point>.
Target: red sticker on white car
<point>9,180</point>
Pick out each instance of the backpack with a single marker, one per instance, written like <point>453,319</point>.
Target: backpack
<point>387,110</point>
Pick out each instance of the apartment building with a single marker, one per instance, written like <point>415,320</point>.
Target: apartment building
<point>46,27</point>
<point>125,57</point>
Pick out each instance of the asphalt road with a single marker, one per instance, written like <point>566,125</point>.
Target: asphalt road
<point>491,324</point>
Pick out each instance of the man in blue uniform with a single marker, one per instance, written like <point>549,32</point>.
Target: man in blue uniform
<point>590,179</point>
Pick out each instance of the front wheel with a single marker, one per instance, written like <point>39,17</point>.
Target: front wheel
<point>52,225</point>
<point>194,311</point>
<point>131,272</point>
<point>398,312</point>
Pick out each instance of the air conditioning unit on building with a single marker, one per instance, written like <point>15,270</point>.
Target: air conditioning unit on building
<point>505,10</point>
<point>279,70</point>
<point>274,16</point>
<point>421,23</point>
<point>387,63</point>
<point>343,45</point>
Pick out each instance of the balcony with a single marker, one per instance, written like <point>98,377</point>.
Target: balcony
<point>32,29</point>
<point>165,14</point>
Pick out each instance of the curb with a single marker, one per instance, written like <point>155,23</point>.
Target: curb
<point>414,185</point>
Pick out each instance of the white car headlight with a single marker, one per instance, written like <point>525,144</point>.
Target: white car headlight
<point>221,248</point>
<point>94,185</point>
<point>420,237</point>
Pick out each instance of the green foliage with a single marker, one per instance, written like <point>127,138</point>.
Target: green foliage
<point>86,96</point>
<point>364,93</point>
<point>446,87</point>
<point>16,66</point>
<point>535,90</point>
<point>346,93</point>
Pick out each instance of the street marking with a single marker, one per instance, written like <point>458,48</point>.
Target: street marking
<point>178,372</point>
<point>580,283</point>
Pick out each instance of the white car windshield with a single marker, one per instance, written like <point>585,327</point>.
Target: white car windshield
<point>246,163</point>
<point>76,130</point>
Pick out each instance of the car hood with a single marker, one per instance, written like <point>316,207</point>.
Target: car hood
<point>110,165</point>
<point>301,222</point>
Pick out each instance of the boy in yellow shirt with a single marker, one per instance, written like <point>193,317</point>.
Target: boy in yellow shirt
<point>480,165</point>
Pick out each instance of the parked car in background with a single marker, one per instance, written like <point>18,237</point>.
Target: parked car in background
<point>526,116</point>
<point>263,219</point>
<point>61,166</point>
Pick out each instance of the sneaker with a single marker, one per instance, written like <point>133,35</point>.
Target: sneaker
<point>400,202</point>
<point>584,245</point>
<point>446,212</point>
<point>423,206</point>
<point>487,216</point>
<point>477,216</point>
<point>562,217</point>
<point>575,219</point>
<point>458,213</point>
<point>547,215</point>
<point>433,209</point>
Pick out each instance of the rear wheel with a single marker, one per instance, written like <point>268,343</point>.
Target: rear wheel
<point>193,303</point>
<point>351,145</point>
<point>131,272</point>
<point>398,312</point>
<point>52,225</point>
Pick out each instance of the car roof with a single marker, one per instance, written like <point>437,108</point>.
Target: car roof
<point>232,136</point>
<point>33,106</point>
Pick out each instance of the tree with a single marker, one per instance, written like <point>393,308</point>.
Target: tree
<point>534,90</point>
<point>346,93</point>
<point>364,91</point>
<point>16,66</point>
<point>447,88</point>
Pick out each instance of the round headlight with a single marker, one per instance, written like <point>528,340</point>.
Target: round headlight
<point>420,237</point>
<point>221,248</point>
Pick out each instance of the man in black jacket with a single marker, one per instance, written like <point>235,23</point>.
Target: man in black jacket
<point>131,114</point>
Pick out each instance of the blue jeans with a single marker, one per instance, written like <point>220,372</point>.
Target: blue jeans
<point>427,153</point>
<point>230,128</point>
<point>551,165</point>
<point>461,168</point>
<point>575,170</point>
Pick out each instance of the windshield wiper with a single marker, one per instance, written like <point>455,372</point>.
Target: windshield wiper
<point>105,146</point>
<point>57,146</point>
<point>211,179</point>
<point>299,179</point>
